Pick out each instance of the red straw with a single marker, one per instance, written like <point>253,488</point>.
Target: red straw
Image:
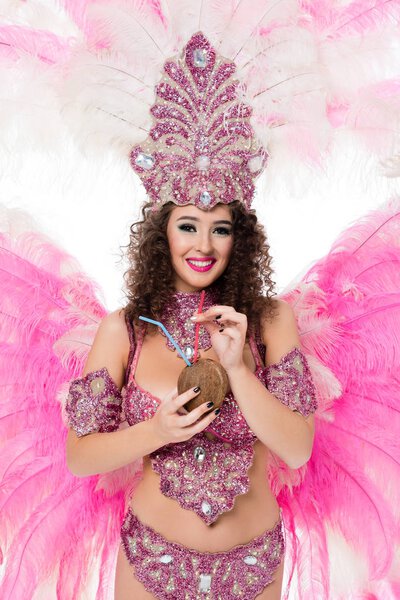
<point>196,334</point>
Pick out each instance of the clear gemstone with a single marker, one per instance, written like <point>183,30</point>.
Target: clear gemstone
<point>200,58</point>
<point>202,162</point>
<point>205,583</point>
<point>206,508</point>
<point>205,198</point>
<point>146,161</point>
<point>199,453</point>
<point>98,384</point>
<point>250,560</point>
<point>166,558</point>
<point>255,163</point>
<point>188,351</point>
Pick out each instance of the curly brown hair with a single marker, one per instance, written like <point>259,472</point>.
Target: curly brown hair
<point>246,283</point>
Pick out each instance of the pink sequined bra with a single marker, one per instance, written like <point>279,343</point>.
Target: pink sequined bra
<point>139,404</point>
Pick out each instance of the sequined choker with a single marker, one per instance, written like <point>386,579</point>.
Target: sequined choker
<point>176,318</point>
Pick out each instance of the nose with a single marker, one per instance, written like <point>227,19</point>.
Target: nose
<point>203,243</point>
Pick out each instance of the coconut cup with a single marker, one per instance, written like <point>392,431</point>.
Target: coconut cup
<point>212,379</point>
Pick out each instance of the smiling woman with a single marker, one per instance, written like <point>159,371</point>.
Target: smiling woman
<point>192,501</point>
<point>176,253</point>
<point>175,238</point>
<point>199,242</point>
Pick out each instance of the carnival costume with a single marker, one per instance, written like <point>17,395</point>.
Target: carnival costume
<point>203,147</point>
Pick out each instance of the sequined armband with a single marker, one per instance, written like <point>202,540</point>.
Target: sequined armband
<point>291,382</point>
<point>94,403</point>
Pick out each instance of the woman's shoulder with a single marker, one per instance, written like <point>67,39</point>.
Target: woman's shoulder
<point>111,344</point>
<point>115,321</point>
<point>279,330</point>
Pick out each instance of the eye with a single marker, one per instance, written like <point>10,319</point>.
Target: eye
<point>187,227</point>
<point>223,231</point>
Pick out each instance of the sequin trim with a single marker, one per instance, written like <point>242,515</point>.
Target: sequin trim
<point>94,403</point>
<point>170,570</point>
<point>291,382</point>
<point>204,475</point>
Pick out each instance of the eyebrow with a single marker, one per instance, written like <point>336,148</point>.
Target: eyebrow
<point>220,222</point>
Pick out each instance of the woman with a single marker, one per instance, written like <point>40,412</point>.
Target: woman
<point>229,241</point>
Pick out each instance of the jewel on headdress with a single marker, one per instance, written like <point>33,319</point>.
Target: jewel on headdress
<point>200,58</point>
<point>255,163</point>
<point>146,161</point>
<point>202,162</point>
<point>205,198</point>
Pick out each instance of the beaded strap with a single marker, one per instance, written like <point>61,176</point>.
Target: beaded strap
<point>290,380</point>
<point>94,403</point>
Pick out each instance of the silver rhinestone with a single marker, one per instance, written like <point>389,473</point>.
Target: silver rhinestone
<point>199,453</point>
<point>205,198</point>
<point>206,508</point>
<point>202,162</point>
<point>189,352</point>
<point>255,163</point>
<point>146,161</point>
<point>205,583</point>
<point>250,560</point>
<point>166,558</point>
<point>200,58</point>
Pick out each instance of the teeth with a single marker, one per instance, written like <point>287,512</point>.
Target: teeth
<point>201,263</point>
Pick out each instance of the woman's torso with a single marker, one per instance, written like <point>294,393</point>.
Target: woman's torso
<point>156,369</point>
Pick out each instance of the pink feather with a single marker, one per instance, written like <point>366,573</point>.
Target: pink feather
<point>353,476</point>
<point>15,41</point>
<point>49,518</point>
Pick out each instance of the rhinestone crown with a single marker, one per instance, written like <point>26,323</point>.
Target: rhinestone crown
<point>201,148</point>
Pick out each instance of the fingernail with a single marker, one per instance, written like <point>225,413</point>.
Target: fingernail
<point>217,411</point>
<point>196,389</point>
<point>221,330</point>
<point>210,404</point>
<point>218,317</point>
<point>193,318</point>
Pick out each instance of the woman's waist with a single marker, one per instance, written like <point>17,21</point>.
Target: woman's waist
<point>252,513</point>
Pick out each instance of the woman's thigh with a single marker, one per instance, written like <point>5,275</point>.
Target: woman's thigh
<point>127,587</point>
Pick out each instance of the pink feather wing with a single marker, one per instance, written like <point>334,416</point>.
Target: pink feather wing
<point>348,312</point>
<point>53,524</point>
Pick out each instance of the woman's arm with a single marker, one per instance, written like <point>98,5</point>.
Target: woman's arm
<point>96,452</point>
<point>284,431</point>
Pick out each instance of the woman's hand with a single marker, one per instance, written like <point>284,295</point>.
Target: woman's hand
<point>228,336</point>
<point>173,423</point>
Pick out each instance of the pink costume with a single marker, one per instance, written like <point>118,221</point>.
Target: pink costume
<point>203,475</point>
<point>279,65</point>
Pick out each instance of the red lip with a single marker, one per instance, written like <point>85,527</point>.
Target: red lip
<point>197,267</point>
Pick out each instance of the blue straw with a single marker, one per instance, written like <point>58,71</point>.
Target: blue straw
<point>169,336</point>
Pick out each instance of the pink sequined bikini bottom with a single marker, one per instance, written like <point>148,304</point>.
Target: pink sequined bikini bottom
<point>171,571</point>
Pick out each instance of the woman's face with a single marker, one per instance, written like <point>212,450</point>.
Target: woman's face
<point>200,243</point>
